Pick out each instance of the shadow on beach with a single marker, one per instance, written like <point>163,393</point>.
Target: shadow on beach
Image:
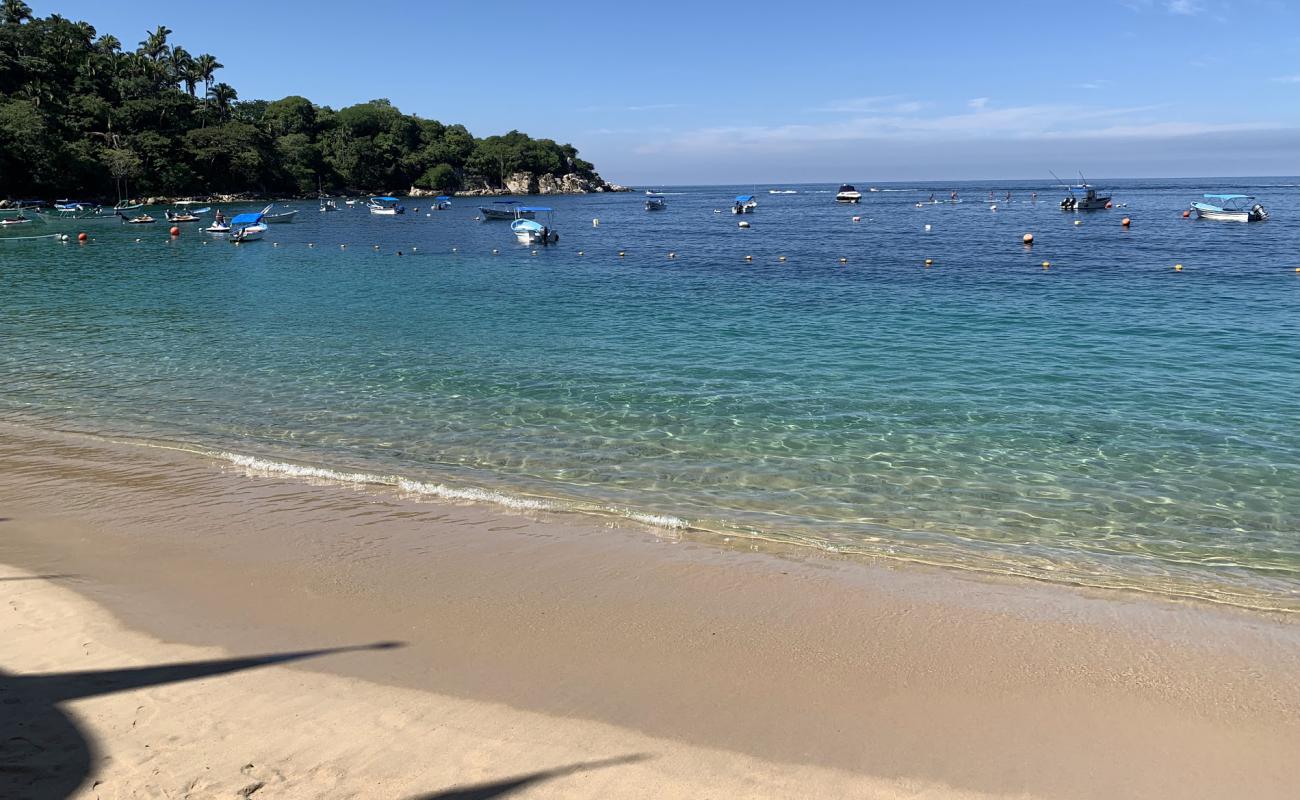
<point>487,791</point>
<point>45,756</point>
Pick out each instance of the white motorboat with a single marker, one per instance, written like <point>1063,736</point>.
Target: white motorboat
<point>278,218</point>
<point>1087,199</point>
<point>1230,208</point>
<point>530,231</point>
<point>848,194</point>
<point>386,206</point>
<point>328,204</point>
<point>744,204</point>
<point>186,216</point>
<point>140,219</point>
<point>655,201</point>
<point>247,227</point>
<point>504,209</point>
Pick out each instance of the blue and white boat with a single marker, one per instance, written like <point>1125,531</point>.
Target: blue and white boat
<point>505,209</point>
<point>530,231</point>
<point>1230,208</point>
<point>745,204</point>
<point>247,227</point>
<point>386,206</point>
<point>441,203</point>
<point>655,201</point>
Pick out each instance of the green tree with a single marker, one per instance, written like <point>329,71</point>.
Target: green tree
<point>441,177</point>
<point>15,12</point>
<point>222,95</point>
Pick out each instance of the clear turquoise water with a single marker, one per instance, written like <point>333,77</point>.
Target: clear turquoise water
<point>1108,421</point>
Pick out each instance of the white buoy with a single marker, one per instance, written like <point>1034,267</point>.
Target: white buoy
<point>595,223</point>
<point>927,226</point>
<point>744,223</point>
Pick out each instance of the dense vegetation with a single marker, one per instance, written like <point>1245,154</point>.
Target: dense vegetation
<point>79,116</point>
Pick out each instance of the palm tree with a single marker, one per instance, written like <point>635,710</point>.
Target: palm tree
<point>206,65</point>
<point>182,66</point>
<point>15,12</point>
<point>155,45</point>
<point>223,94</point>
<point>108,44</point>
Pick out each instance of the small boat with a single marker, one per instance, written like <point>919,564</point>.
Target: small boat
<point>1086,200</point>
<point>745,204</point>
<point>848,194</point>
<point>655,202</point>
<point>247,227</point>
<point>141,219</point>
<point>125,206</point>
<point>186,216</point>
<point>782,191</point>
<point>328,204</point>
<point>386,206</point>
<point>276,219</point>
<point>1231,208</point>
<point>218,228</point>
<point>530,231</point>
<point>19,219</point>
<point>504,209</point>
<point>441,203</point>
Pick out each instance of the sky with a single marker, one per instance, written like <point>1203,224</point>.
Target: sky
<point>671,92</point>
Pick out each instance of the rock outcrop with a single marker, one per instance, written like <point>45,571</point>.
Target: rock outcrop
<point>529,183</point>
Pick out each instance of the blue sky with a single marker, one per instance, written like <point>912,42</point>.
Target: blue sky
<point>672,92</point>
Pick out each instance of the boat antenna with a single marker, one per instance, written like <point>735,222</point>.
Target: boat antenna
<point>1061,182</point>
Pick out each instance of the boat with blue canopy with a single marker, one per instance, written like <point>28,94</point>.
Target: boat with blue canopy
<point>386,206</point>
<point>655,201</point>
<point>441,203</point>
<point>1230,208</point>
<point>247,227</point>
<point>745,204</point>
<point>529,231</point>
<point>505,209</point>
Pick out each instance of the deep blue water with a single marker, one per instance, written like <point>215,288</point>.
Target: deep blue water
<point>1107,421</point>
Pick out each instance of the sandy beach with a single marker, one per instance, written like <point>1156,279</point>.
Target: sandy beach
<point>173,628</point>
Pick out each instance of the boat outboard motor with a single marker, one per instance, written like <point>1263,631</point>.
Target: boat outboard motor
<point>1259,212</point>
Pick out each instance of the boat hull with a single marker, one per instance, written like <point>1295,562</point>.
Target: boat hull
<point>848,197</point>
<point>1223,216</point>
<point>280,219</point>
<point>497,214</point>
<point>250,233</point>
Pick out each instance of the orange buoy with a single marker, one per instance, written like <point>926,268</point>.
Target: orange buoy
<point>1047,264</point>
<point>176,231</point>
<point>81,237</point>
<point>1125,222</point>
<point>1109,205</point>
<point>1028,238</point>
<point>1186,214</point>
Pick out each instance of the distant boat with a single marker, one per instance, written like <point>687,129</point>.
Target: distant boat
<point>1086,200</point>
<point>386,206</point>
<point>745,204</point>
<point>782,191</point>
<point>655,202</point>
<point>872,189</point>
<point>186,216</point>
<point>328,204</point>
<point>848,194</point>
<point>530,231</point>
<point>283,216</point>
<point>505,209</point>
<point>1231,208</point>
<point>142,219</point>
<point>441,203</point>
<point>247,227</point>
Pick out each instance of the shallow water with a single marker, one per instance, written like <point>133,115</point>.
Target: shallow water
<point>1107,421</point>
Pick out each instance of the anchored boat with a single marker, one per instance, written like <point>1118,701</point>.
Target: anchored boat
<point>386,206</point>
<point>278,218</point>
<point>655,201</point>
<point>1230,208</point>
<point>247,227</point>
<point>504,209</point>
<point>530,231</point>
<point>848,194</point>
<point>745,204</point>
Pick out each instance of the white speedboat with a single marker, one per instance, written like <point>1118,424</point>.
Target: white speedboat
<point>140,219</point>
<point>655,201</point>
<point>186,215</point>
<point>386,206</point>
<point>504,209</point>
<point>745,204</point>
<point>247,227</point>
<point>848,194</point>
<point>530,231</point>
<point>328,204</point>
<point>1230,208</point>
<point>277,218</point>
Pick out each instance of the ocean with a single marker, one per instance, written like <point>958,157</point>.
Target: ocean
<point>1107,421</point>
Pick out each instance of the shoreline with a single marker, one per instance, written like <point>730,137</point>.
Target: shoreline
<point>937,680</point>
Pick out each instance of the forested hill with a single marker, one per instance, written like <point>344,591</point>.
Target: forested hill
<point>80,115</point>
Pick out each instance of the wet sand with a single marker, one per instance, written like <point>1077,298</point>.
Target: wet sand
<point>565,640</point>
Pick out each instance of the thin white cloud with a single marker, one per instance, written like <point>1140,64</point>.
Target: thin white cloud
<point>978,102</point>
<point>1185,8</point>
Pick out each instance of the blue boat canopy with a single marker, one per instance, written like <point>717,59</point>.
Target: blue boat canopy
<point>1227,197</point>
<point>384,200</point>
<point>744,198</point>
<point>246,219</point>
<point>534,208</point>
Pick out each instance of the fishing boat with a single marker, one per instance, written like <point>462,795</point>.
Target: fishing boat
<point>1086,199</point>
<point>1230,208</point>
<point>504,209</point>
<point>745,204</point>
<point>655,201</point>
<point>848,194</point>
<point>441,203</point>
<point>281,217</point>
<point>386,206</point>
<point>530,231</point>
<point>247,227</point>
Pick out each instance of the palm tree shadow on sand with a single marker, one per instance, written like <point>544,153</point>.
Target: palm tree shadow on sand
<point>45,756</point>
<point>493,789</point>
